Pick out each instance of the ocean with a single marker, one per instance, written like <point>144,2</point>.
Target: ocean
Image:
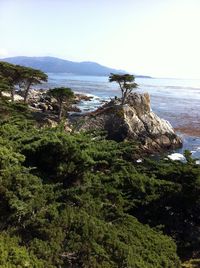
<point>176,100</point>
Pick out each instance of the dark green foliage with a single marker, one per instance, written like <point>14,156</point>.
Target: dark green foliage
<point>178,209</point>
<point>74,200</point>
<point>66,197</point>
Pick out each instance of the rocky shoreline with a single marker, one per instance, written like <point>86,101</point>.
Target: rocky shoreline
<point>133,121</point>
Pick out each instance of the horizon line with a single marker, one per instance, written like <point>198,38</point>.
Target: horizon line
<point>88,61</point>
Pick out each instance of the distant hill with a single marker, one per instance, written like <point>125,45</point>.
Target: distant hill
<point>56,65</point>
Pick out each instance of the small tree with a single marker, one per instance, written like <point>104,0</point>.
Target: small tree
<point>63,95</point>
<point>125,82</point>
<point>32,77</point>
<point>20,76</point>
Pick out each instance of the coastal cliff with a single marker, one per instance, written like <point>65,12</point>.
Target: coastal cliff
<point>132,121</point>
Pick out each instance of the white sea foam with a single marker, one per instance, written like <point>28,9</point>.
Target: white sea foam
<point>177,156</point>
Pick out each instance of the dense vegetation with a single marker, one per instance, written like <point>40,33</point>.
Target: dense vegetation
<point>80,200</point>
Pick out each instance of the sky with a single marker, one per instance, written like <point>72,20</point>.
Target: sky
<point>160,38</point>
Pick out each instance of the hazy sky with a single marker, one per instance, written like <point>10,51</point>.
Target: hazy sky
<point>156,37</point>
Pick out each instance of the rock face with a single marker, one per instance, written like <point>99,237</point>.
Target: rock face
<point>133,121</point>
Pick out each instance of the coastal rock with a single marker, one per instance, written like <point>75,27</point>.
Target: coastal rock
<point>41,100</point>
<point>81,97</point>
<point>132,121</point>
<point>52,123</point>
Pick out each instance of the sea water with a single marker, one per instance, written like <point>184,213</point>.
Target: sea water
<point>176,100</point>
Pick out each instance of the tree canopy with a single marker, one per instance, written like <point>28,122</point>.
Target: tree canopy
<point>13,76</point>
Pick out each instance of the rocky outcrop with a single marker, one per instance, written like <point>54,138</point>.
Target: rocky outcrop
<point>132,121</point>
<point>39,99</point>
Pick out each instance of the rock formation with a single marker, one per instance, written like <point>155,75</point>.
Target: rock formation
<point>132,121</point>
<point>39,99</point>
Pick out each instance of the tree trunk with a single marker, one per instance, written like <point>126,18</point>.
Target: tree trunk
<point>26,92</point>
<point>122,91</point>
<point>123,100</point>
<point>124,96</point>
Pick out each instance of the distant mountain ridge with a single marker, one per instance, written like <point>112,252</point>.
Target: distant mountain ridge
<point>57,65</point>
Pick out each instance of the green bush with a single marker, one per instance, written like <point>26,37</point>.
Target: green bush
<point>12,255</point>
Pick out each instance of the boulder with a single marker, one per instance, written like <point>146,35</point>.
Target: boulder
<point>43,106</point>
<point>82,97</point>
<point>74,108</point>
<point>133,121</point>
